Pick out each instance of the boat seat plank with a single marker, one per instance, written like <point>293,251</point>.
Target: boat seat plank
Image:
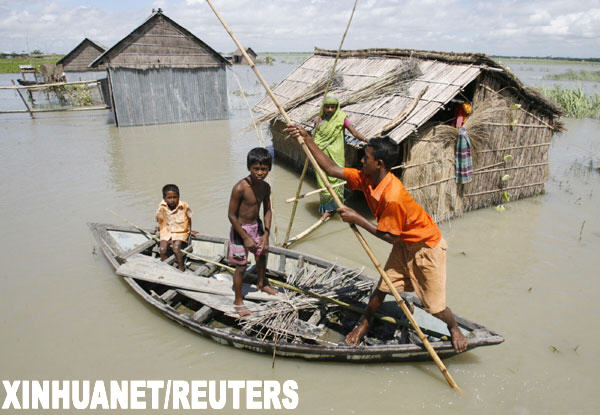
<point>203,314</point>
<point>137,250</point>
<point>143,267</point>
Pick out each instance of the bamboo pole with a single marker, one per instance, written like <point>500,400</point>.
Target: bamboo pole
<point>94,108</point>
<point>289,228</point>
<point>23,99</point>
<point>42,86</point>
<point>333,186</point>
<point>302,234</point>
<point>404,114</point>
<point>305,168</point>
<point>357,233</point>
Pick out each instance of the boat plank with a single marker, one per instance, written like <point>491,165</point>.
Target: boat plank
<point>143,267</point>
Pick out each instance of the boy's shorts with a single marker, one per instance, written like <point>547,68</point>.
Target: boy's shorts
<point>419,268</point>
<point>238,254</point>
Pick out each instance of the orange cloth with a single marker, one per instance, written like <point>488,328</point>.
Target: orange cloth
<point>394,208</point>
<point>174,224</point>
<point>419,268</point>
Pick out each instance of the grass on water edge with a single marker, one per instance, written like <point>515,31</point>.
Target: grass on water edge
<point>574,102</point>
<point>571,75</point>
<point>11,65</point>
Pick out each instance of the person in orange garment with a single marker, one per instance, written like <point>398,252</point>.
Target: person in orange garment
<point>418,257</point>
<point>174,219</point>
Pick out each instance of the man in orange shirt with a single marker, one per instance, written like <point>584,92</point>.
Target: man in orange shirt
<point>418,258</point>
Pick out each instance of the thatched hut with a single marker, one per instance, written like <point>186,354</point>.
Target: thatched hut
<point>238,57</point>
<point>79,59</point>
<point>161,73</point>
<point>510,127</point>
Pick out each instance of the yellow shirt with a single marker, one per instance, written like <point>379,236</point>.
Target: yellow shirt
<point>174,224</point>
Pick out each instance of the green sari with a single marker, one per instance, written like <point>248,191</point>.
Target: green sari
<point>329,137</point>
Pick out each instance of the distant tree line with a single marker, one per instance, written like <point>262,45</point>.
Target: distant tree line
<point>552,58</point>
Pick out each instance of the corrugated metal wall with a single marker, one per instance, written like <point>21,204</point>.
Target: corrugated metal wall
<point>169,95</point>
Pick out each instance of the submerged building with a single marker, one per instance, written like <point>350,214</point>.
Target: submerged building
<point>79,59</point>
<point>413,96</point>
<point>161,73</point>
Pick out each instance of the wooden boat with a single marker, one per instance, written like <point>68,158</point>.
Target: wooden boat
<point>306,322</point>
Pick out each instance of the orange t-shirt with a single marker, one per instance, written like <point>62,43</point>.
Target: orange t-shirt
<point>394,208</point>
<point>174,224</point>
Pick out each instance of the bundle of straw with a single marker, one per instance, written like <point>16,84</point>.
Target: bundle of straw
<point>492,109</point>
<point>306,95</point>
<point>395,81</point>
<point>280,319</point>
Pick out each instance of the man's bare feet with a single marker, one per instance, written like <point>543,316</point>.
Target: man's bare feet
<point>242,310</point>
<point>354,337</point>
<point>268,289</point>
<point>459,342</point>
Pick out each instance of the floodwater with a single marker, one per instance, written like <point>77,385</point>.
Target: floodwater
<point>530,272</point>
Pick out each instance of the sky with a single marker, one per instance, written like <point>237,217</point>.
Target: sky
<point>556,28</point>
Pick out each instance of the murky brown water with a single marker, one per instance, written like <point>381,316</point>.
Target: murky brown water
<point>530,272</point>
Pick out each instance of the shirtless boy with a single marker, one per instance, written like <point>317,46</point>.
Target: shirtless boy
<point>417,261</point>
<point>247,233</point>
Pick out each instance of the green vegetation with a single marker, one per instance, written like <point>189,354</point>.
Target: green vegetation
<point>571,75</point>
<point>11,65</point>
<point>575,103</point>
<point>294,58</point>
<point>548,60</point>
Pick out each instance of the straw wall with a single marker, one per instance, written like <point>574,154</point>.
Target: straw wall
<point>430,172</point>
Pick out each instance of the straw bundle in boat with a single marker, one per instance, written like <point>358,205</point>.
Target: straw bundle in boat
<point>280,319</point>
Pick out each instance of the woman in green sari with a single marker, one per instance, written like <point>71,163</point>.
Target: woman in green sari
<point>329,134</point>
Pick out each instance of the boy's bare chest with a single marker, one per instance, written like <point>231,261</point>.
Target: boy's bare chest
<point>254,195</point>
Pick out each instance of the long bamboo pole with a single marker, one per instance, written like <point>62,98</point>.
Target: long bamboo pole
<point>289,228</point>
<point>357,233</point>
<point>305,168</point>
<point>305,232</point>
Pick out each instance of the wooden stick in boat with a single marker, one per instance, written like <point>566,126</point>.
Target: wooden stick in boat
<point>302,234</point>
<point>359,236</point>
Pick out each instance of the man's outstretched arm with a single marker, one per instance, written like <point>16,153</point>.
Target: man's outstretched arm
<point>328,165</point>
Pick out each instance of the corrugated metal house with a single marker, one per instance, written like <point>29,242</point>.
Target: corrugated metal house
<point>510,125</point>
<point>161,73</point>
<point>79,59</point>
<point>238,57</point>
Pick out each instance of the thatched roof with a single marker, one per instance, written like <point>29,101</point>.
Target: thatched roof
<point>444,74</point>
<point>82,55</point>
<point>160,42</point>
